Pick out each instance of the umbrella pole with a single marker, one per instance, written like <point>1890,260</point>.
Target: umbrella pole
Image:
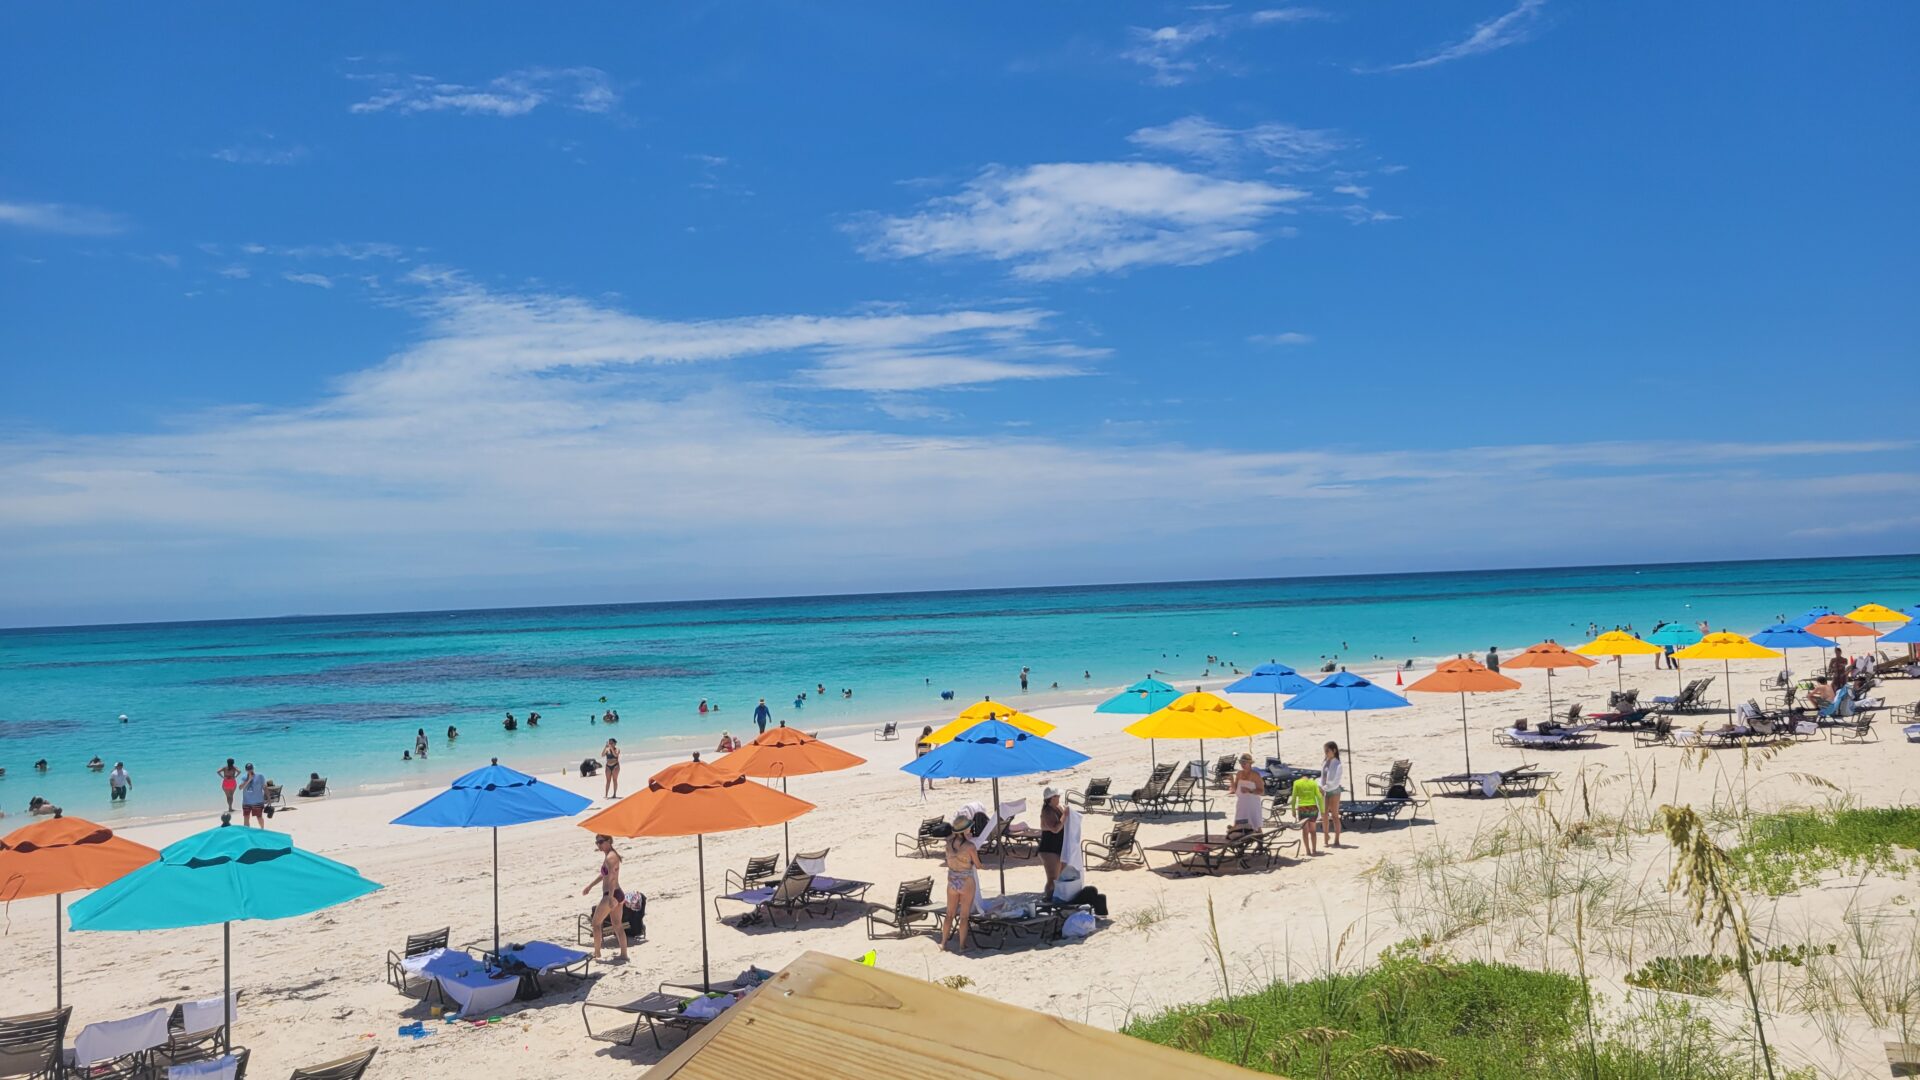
<point>1276,723</point>
<point>1206,827</point>
<point>1003,843</point>
<point>1347,715</point>
<point>1726,670</point>
<point>59,969</point>
<point>226,997</point>
<point>1466,741</point>
<point>786,837</point>
<point>496,891</point>
<point>1549,693</point>
<point>706,970</point>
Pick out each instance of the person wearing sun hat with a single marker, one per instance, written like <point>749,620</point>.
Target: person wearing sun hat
<point>1053,824</point>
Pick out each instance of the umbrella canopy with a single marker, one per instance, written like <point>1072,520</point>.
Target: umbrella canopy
<point>1784,636</point>
<point>990,750</point>
<point>1550,656</point>
<point>1810,615</point>
<point>1463,676</point>
<point>1906,635</point>
<point>1346,693</point>
<point>1200,716</point>
<point>1877,613</point>
<point>1272,679</point>
<point>1676,634</point>
<point>1143,697</point>
<point>1911,612</point>
<point>488,798</point>
<point>694,798</point>
<point>1727,647</point>
<point>63,855</point>
<point>783,752</point>
<point>223,875</point>
<point>988,710</point>
<point>1618,643</point>
<point>1839,626</point>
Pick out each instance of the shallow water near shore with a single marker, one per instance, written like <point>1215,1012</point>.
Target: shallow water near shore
<point>343,695</point>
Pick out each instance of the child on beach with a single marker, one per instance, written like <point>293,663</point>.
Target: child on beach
<point>1306,802</point>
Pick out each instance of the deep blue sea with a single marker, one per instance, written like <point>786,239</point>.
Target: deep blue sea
<point>343,695</point>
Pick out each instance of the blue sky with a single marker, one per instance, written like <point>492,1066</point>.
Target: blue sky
<point>370,307</point>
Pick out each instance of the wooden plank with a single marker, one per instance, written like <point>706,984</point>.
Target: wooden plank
<point>823,1016</point>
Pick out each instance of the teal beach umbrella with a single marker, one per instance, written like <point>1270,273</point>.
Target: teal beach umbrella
<point>1146,696</point>
<point>1678,635</point>
<point>224,875</point>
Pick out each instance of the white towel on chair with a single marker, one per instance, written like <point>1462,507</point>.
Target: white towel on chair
<point>224,1068</point>
<point>1489,783</point>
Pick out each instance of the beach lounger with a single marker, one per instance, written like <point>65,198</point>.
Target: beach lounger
<point>30,1044</point>
<point>1542,740</point>
<point>1524,780</point>
<point>1094,797</point>
<point>1005,841</point>
<point>116,1048</point>
<point>760,870</point>
<point>1398,776</point>
<point>1859,729</point>
<point>1660,732</point>
<point>215,1065</point>
<point>1280,775</point>
<point>832,890</point>
<point>276,795</point>
<point>793,894</point>
<point>1180,793</point>
<point>887,733</point>
<point>666,1007</point>
<point>929,839</point>
<point>417,945</point>
<point>196,1031</point>
<point>1371,812</point>
<point>633,912</point>
<point>537,958</point>
<point>1139,797</point>
<point>1192,854</point>
<point>909,907</point>
<point>314,788</point>
<point>461,979</point>
<point>1224,768</point>
<point>351,1067</point>
<point>1119,848</point>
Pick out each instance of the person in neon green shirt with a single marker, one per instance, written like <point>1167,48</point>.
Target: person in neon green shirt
<point>1306,801</point>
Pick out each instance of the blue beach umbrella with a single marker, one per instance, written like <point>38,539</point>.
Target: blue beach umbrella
<point>223,875</point>
<point>990,750</point>
<point>488,798</point>
<point>1804,619</point>
<point>1273,679</point>
<point>1146,696</point>
<point>1678,635</point>
<point>1906,635</point>
<point>1784,636</point>
<point>1345,693</point>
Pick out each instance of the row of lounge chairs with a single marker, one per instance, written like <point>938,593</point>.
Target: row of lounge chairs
<point>152,1044</point>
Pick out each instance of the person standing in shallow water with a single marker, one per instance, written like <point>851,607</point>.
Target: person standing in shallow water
<point>761,715</point>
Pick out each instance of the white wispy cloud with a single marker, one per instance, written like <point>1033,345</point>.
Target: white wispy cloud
<point>1289,337</point>
<point>317,280</point>
<point>550,448</point>
<point>1198,137</point>
<point>1511,28</point>
<point>265,150</point>
<point>1062,220</point>
<point>517,93</point>
<point>1175,54</point>
<point>61,218</point>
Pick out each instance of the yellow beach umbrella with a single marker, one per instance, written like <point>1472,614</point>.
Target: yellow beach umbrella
<point>1617,643</point>
<point>988,710</point>
<point>1200,716</point>
<point>1727,647</point>
<point>1873,614</point>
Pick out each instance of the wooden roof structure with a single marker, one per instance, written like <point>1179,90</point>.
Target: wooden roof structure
<point>824,1016</point>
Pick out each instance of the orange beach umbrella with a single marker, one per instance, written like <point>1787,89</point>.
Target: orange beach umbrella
<point>1839,626</point>
<point>694,798</point>
<point>1463,676</point>
<point>1551,656</point>
<point>782,752</point>
<point>62,855</point>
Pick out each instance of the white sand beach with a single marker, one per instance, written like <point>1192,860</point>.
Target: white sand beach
<point>313,987</point>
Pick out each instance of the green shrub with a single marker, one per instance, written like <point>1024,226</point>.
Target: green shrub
<point>1781,853</point>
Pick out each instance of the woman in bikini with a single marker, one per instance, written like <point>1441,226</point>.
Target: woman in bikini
<point>611,897</point>
<point>611,754</point>
<point>229,779</point>
<point>963,860</point>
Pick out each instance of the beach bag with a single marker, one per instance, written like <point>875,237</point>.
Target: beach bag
<point>634,912</point>
<point>1090,897</point>
<point>1078,924</point>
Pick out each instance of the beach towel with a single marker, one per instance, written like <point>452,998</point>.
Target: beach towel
<point>221,1068</point>
<point>1073,861</point>
<point>815,867</point>
<point>1489,783</point>
<point>976,810</point>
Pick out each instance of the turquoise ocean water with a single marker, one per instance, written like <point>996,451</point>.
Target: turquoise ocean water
<point>342,695</point>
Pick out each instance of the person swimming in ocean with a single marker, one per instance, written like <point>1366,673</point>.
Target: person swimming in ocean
<point>533,719</point>
<point>510,723</point>
<point>452,733</point>
<point>96,764</point>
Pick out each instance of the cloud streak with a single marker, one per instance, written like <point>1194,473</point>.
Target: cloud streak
<point>517,93</point>
<point>1512,28</point>
<point>61,218</point>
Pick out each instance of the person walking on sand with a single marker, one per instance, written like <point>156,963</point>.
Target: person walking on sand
<point>1332,773</point>
<point>229,779</point>
<point>610,754</point>
<point>612,898</point>
<point>762,715</point>
<point>253,798</point>
<point>118,782</point>
<point>963,880</point>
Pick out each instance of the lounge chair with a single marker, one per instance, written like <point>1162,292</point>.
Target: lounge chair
<point>1562,739</point>
<point>903,914</point>
<point>760,870</point>
<point>1180,793</point>
<point>810,862</point>
<point>1858,729</point>
<point>1095,797</point>
<point>351,1067</point>
<point>1522,780</point>
<point>30,1043</point>
<point>1224,768</point>
<point>666,1007</point>
<point>1005,841</point>
<point>1119,848</point>
<point>314,789</point>
<point>276,795</point>
<point>1399,775</point>
<point>196,1031</point>
<point>929,838</point>
<point>633,912</point>
<point>887,733</point>
<point>1660,732</point>
<point>193,1067</point>
<point>1691,699</point>
<point>1155,786</point>
<point>1370,812</point>
<point>417,945</point>
<point>792,894</point>
<point>1281,775</point>
<point>116,1048</point>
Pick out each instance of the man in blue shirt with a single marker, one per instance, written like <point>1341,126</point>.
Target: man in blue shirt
<point>761,714</point>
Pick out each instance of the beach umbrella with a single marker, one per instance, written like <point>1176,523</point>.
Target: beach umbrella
<point>1346,693</point>
<point>1877,613</point>
<point>1677,635</point>
<point>61,855</point>
<point>488,798</point>
<point>1200,716</point>
<point>1807,617</point>
<point>1727,647</point>
<point>988,710</point>
<point>990,750</point>
<point>1548,656</point>
<point>1906,635</point>
<point>694,798</point>
<point>1784,636</point>
<point>782,752</point>
<point>1463,676</point>
<point>1147,695</point>
<point>1618,643</point>
<point>1273,679</point>
<point>223,875</point>
<point>1839,626</point>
